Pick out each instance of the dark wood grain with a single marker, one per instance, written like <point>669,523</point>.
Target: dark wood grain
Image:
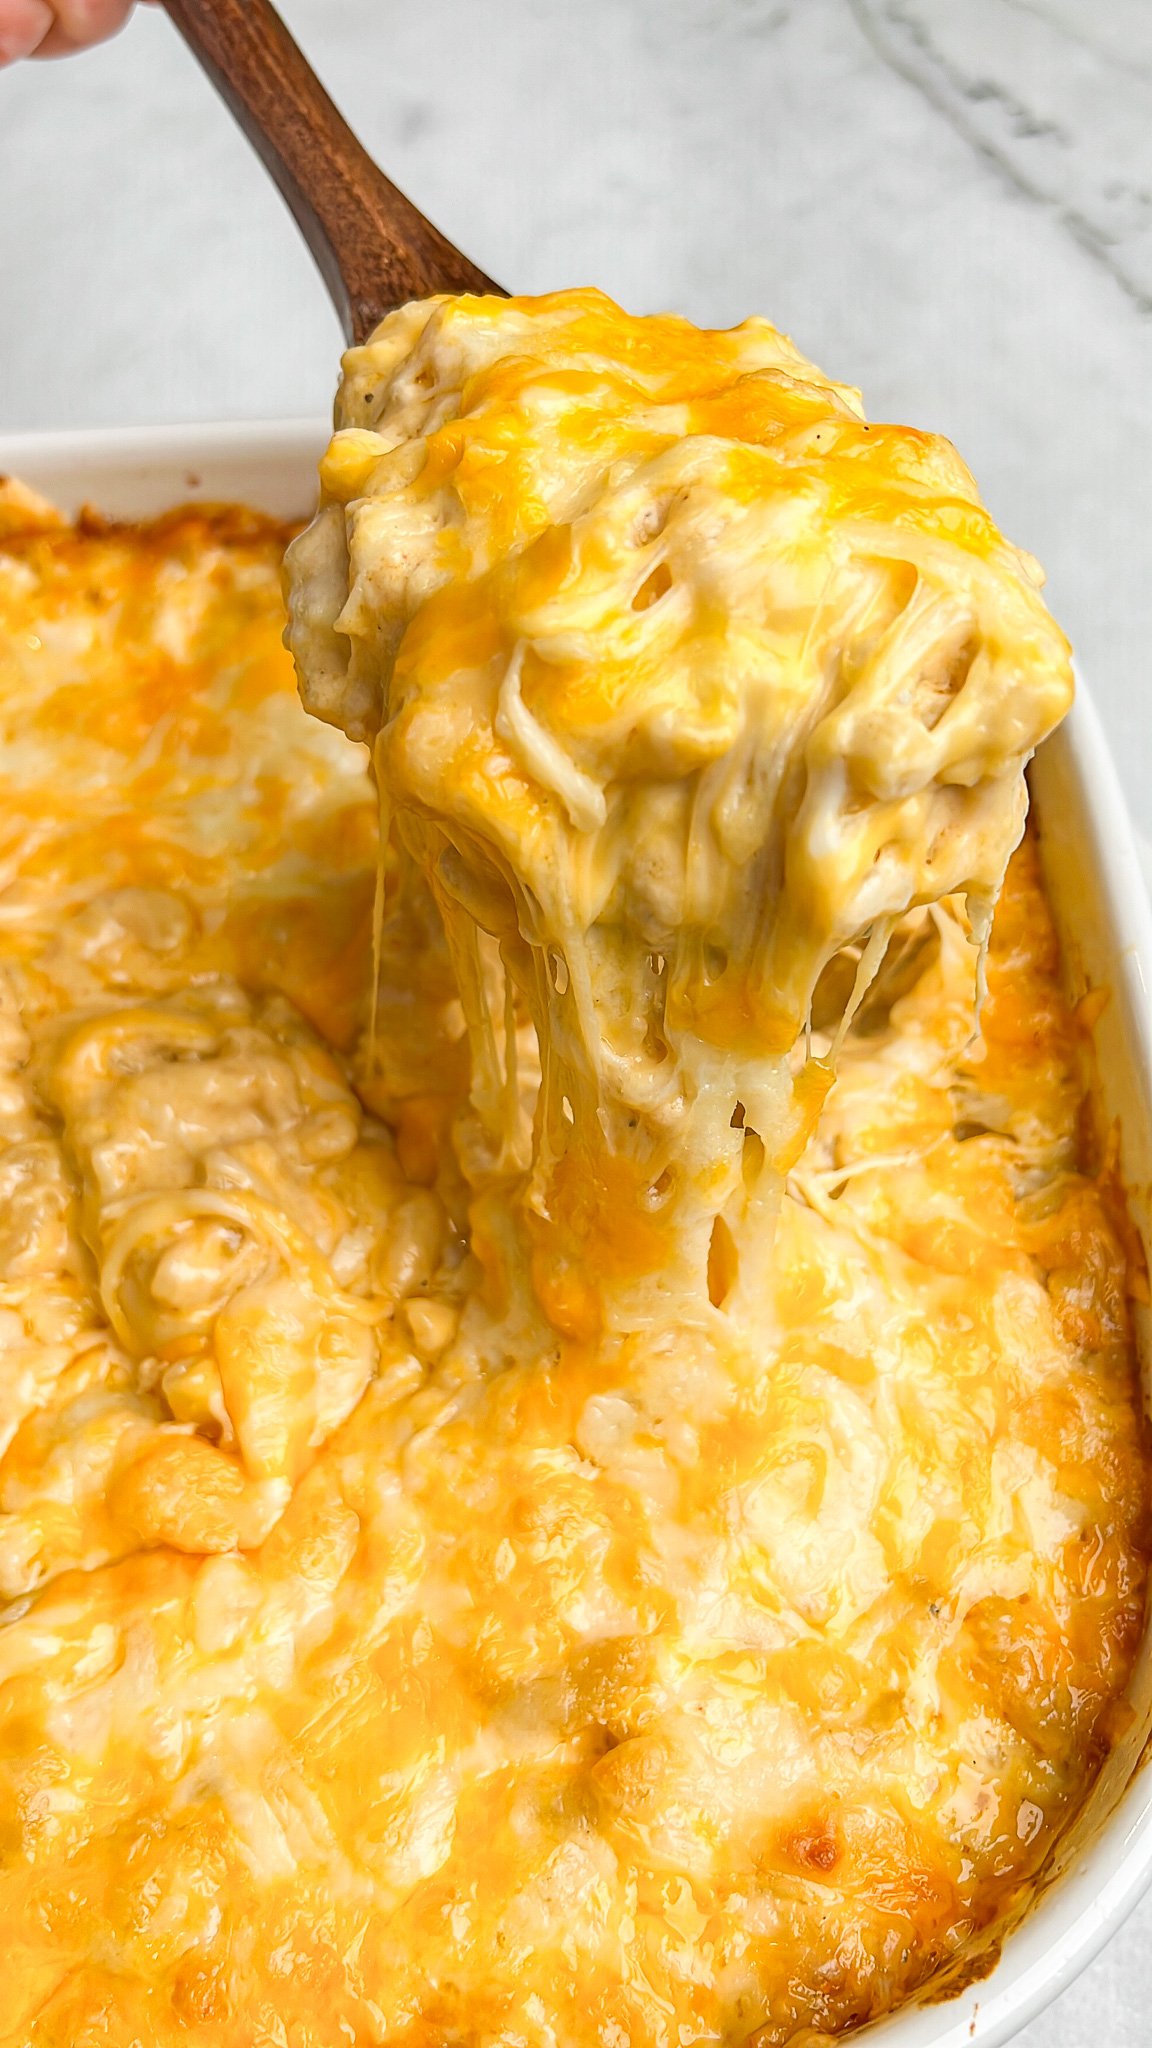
<point>373,247</point>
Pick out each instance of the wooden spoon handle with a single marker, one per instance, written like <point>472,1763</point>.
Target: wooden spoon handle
<point>373,248</point>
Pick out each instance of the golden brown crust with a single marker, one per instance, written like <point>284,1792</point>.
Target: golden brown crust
<point>580,1695</point>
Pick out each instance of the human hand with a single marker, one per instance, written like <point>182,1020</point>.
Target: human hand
<point>52,28</point>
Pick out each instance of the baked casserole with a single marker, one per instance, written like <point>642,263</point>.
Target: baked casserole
<point>573,1468</point>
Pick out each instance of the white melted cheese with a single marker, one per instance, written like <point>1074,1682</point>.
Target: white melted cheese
<point>680,677</point>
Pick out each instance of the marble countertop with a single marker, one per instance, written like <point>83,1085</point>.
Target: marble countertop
<point>948,202</point>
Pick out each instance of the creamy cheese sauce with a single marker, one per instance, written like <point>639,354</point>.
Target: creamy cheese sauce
<point>457,1592</point>
<point>680,677</point>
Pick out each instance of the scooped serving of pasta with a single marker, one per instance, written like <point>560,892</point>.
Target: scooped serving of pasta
<point>572,1471</point>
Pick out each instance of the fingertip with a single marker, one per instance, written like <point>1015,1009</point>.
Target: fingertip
<point>77,24</point>
<point>25,25</point>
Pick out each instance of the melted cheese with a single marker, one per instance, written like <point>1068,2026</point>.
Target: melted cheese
<point>399,1652</point>
<point>681,677</point>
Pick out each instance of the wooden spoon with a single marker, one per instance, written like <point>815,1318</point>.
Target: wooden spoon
<point>373,248</point>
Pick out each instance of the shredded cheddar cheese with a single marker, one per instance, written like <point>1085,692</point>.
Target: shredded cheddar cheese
<point>680,677</point>
<point>551,1491</point>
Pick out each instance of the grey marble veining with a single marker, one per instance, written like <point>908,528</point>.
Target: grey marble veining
<point>946,201</point>
<point>1056,94</point>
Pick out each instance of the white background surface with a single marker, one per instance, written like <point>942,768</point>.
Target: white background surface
<point>948,202</point>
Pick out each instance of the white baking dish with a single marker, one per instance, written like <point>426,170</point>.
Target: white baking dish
<point>1105,1862</point>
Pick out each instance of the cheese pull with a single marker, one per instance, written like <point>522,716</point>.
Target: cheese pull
<point>681,678</point>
